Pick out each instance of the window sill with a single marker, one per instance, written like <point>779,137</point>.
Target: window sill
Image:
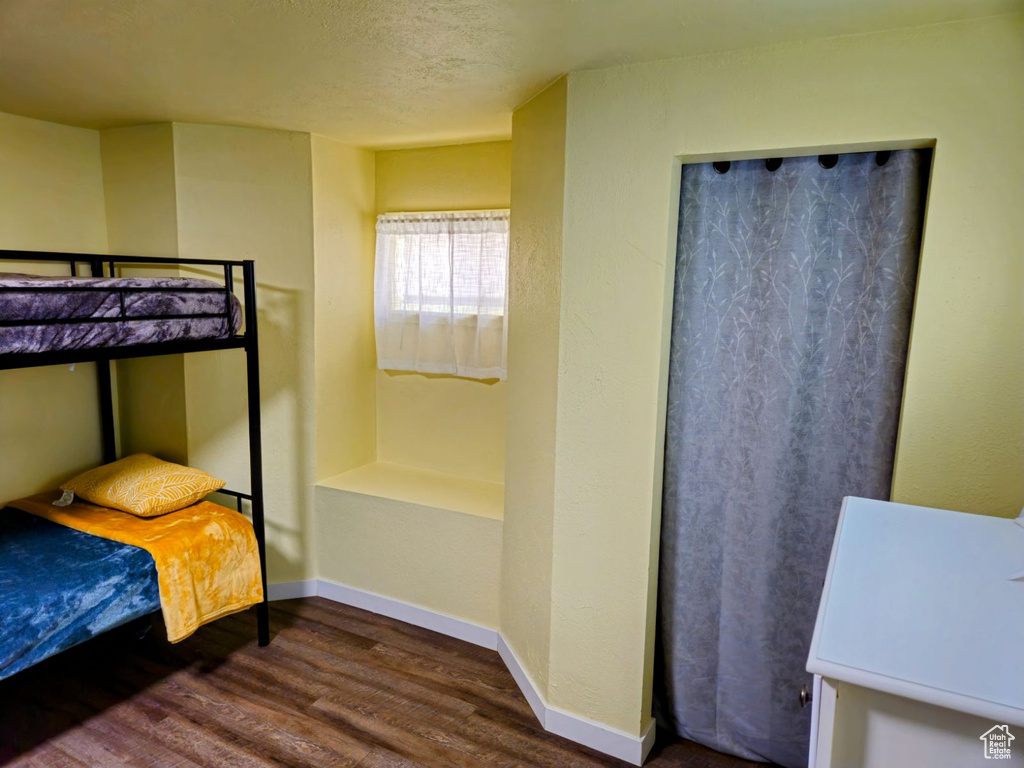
<point>424,487</point>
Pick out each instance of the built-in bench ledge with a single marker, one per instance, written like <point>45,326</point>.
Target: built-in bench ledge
<point>423,486</point>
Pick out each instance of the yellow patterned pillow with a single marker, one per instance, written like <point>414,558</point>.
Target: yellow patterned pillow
<point>143,485</point>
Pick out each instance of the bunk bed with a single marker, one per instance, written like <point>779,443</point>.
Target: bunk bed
<point>98,318</point>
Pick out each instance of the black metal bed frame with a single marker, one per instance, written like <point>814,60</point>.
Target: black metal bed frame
<point>246,340</point>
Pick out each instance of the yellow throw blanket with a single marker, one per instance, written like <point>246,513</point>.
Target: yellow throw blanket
<point>207,562</point>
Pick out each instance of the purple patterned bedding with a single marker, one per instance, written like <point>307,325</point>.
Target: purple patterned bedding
<point>153,307</point>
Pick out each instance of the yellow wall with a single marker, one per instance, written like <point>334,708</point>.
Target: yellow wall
<point>343,222</point>
<point>535,255</point>
<point>139,189</point>
<point>443,423</point>
<point>247,194</point>
<point>51,199</point>
<point>413,551</point>
<point>138,182</point>
<point>279,198</point>
<point>962,426</point>
<point>456,177</point>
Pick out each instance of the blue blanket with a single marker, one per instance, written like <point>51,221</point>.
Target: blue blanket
<point>59,587</point>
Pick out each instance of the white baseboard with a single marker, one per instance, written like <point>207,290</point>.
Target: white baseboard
<point>289,590</point>
<point>601,738</point>
<point>387,606</point>
<point>608,741</point>
<point>524,681</point>
<point>409,613</point>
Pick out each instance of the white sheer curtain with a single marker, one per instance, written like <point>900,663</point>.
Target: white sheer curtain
<point>440,292</point>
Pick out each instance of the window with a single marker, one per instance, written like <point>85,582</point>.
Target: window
<point>440,292</point>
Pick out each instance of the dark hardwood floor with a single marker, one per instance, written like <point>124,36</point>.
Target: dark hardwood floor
<point>337,687</point>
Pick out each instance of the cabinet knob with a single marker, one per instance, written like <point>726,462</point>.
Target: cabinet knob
<point>805,696</point>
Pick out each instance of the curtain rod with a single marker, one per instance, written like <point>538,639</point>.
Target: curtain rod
<point>773,164</point>
<point>468,214</point>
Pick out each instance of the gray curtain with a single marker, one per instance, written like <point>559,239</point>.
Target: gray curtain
<point>793,299</point>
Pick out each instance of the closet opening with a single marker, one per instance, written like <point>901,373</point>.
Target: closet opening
<point>793,300</point>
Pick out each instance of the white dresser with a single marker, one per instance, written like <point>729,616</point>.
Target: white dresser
<point>918,650</point>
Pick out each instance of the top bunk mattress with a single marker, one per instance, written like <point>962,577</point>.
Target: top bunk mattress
<point>45,314</point>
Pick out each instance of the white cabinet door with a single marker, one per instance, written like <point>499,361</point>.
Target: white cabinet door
<point>871,729</point>
<point>823,715</point>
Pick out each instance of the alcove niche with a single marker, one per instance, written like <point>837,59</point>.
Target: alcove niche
<point>409,495</point>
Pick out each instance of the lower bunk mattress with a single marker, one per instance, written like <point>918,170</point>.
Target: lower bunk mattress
<point>60,587</point>
<point>47,314</point>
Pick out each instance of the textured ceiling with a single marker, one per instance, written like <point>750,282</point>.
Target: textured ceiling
<point>377,72</point>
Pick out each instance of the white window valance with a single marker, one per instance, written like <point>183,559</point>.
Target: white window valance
<point>440,292</point>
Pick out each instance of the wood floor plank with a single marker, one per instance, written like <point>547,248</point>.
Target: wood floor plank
<point>394,633</point>
<point>53,757</point>
<point>193,738</point>
<point>307,734</point>
<point>531,747</point>
<point>314,674</point>
<point>503,702</point>
<point>383,758</point>
<point>420,720</point>
<point>108,731</point>
<point>433,749</point>
<point>319,674</point>
<point>247,722</point>
<point>83,745</point>
<point>337,688</point>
